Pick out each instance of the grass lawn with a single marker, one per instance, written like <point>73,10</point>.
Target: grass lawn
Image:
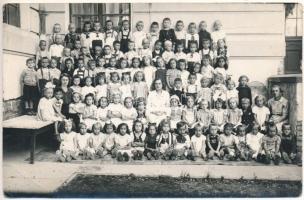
<point>163,186</point>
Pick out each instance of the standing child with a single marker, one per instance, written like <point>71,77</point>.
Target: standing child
<point>56,31</point>
<point>207,70</point>
<point>176,111</point>
<point>234,114</point>
<point>76,84</point>
<point>180,34</point>
<point>189,112</point>
<point>128,113</point>
<point>88,88</point>
<point>85,39</point>
<point>58,101</point>
<point>66,54</point>
<point>145,51</point>
<point>138,140</point>
<point>168,54</point>
<point>114,84</point>
<point>154,34</point>
<point>95,148</point>
<point>139,87</point>
<point>218,33</point>
<point>213,142</point>
<point>228,143</point>
<point>149,70</point>
<point>244,151</point>
<point>260,111</point>
<point>192,36</point>
<point>182,141</point>
<point>41,52</point>
<point>204,114</point>
<point>204,35</point>
<point>89,115</point>
<point>204,91</point>
<point>197,71</point>
<point>126,87</point>
<point>43,74</point>
<point>131,53</point>
<point>182,66</point>
<point>165,140</point>
<point>151,150</point>
<point>135,66</point>
<point>102,110</point>
<point>76,108</point>
<point>76,50</point>
<point>67,148</point>
<point>206,50</point>
<point>193,56</point>
<point>172,73</point>
<point>180,54</point>
<point>221,67</point>
<point>161,71</point>
<point>158,50</point>
<point>218,88</point>
<point>115,109</point>
<point>288,146</point>
<point>244,89</point>
<point>139,35</point>
<point>254,139</point>
<point>54,72</point>
<point>71,37</point>
<point>96,36</point>
<point>122,140</point>
<point>30,89</point>
<point>198,144</point>
<point>124,67</point>
<point>82,142</point>
<point>178,91</point>
<point>80,70</point>
<point>56,49</point>
<point>248,116</point>
<point>111,67</point>
<point>219,115</point>
<point>110,34</point>
<point>231,92</point>
<point>100,67</point>
<point>68,67</point>
<point>192,87</point>
<point>140,106</point>
<point>101,87</point>
<point>167,33</point>
<point>124,36</point>
<point>117,53</point>
<point>107,54</point>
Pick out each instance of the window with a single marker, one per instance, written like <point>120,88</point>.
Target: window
<point>11,14</point>
<point>80,13</point>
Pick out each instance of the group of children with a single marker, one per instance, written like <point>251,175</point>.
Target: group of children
<point>97,83</point>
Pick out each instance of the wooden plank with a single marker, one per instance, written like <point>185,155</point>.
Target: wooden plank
<point>25,122</point>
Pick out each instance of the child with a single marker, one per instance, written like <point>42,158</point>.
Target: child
<point>126,87</point>
<point>176,111</point>
<point>56,31</point>
<point>165,140</point>
<point>71,37</point>
<point>56,49</point>
<point>260,111</point>
<point>180,34</point>
<point>168,54</point>
<point>180,54</point>
<point>244,151</point>
<point>192,87</point>
<point>107,54</point>
<point>135,66</point>
<point>110,34</point>
<point>114,85</point>
<point>167,33</point>
<point>88,88</point>
<point>139,87</point>
<point>138,139</point>
<point>218,33</point>
<point>82,142</point>
<point>141,110</point>
<point>96,141</point>
<point>128,113</point>
<point>85,55</point>
<point>54,72</point>
<point>270,146</point>
<point>76,50</point>
<point>111,67</point>
<point>192,36</point>
<point>58,95</point>
<point>85,39</point>
<point>213,142</point>
<point>178,91</point>
<point>204,35</point>
<point>288,144</point>
<point>231,90</point>
<point>182,141</point>
<point>219,115</point>
<point>161,71</point>
<point>234,114</point>
<point>131,53</point>
<point>116,50</point>
<point>30,89</point>
<point>154,34</point>
<point>221,67</point>
<point>254,139</point>
<point>139,35</point>
<point>204,91</point>
<point>41,52</point>
<point>102,110</point>
<point>145,51</point>
<point>182,65</point>
<point>115,109</point>
<point>206,50</point>
<point>228,143</point>
<point>149,70</point>
<point>151,150</point>
<point>193,56</point>
<point>76,108</point>
<point>158,50</point>
<point>198,144</point>
<point>66,54</point>
<point>100,67</point>
<point>101,87</point>
<point>197,71</point>
<point>172,73</point>
<point>96,37</point>
<point>124,36</point>
<point>76,84</point>
<point>124,67</point>
<point>80,70</point>
<point>244,89</point>
<point>207,70</point>
<point>248,116</point>
<point>203,114</point>
<point>43,74</point>
<point>189,112</point>
<point>122,140</point>
<point>221,50</point>
<point>89,115</point>
<point>218,88</point>
<point>67,148</point>
<point>109,142</point>
<point>68,67</point>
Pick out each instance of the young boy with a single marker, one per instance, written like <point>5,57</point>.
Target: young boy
<point>182,143</point>
<point>153,36</point>
<point>110,34</point>
<point>204,35</point>
<point>228,143</point>
<point>56,49</point>
<point>96,37</point>
<point>192,36</point>
<point>139,35</point>
<point>248,116</point>
<point>76,51</point>
<point>167,33</point>
<point>30,89</point>
<point>71,37</point>
<point>288,145</point>
<point>179,91</point>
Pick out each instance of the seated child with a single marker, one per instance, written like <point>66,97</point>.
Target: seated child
<point>172,73</point>
<point>182,66</point>
<point>178,91</point>
<point>182,141</point>
<point>138,137</point>
<point>76,108</point>
<point>58,101</point>
<point>176,111</point>
<point>248,116</point>
<point>244,151</point>
<point>88,88</point>
<point>82,142</point>
<point>288,144</point>
<point>102,110</point>
<point>270,146</point>
<point>122,140</point>
<point>95,146</point>
<point>109,142</point>
<point>218,88</point>
<point>219,115</point>
<point>228,143</point>
<point>189,112</point>
<point>254,139</point>
<point>204,114</point>
<point>76,84</point>
<point>128,113</point>
<point>140,106</point>
<point>244,89</point>
<point>231,92</point>
<point>198,144</point>
<point>204,91</point>
<point>151,150</point>
<point>213,142</point>
<point>115,110</point>
<point>165,140</point>
<point>203,34</point>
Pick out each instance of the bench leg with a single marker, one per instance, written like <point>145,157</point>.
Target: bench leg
<point>33,146</point>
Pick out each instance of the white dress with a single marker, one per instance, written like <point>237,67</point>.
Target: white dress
<point>158,102</point>
<point>82,141</point>
<point>102,114</point>
<point>149,72</point>
<point>101,91</point>
<point>198,143</point>
<point>123,141</point>
<point>128,113</point>
<point>67,141</point>
<point>116,108</point>
<point>45,111</point>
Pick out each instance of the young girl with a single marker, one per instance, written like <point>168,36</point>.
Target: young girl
<point>207,70</point>
<point>115,109</point>
<point>244,150</point>
<point>128,113</point>
<point>109,142</point>
<point>149,70</point>
<point>228,143</point>
<point>176,111</point>
<point>100,65</point>
<point>122,148</point>
<point>151,150</point>
<point>117,53</point>
<point>213,142</point>
<point>138,139</point>
<point>107,54</point>
<point>140,106</point>
<point>260,111</point>
<point>234,114</point>
<point>66,54</point>
<point>124,66</point>
<point>92,72</point>
<point>110,68</point>
<point>198,144</point>
<point>154,34</point>
<point>204,114</point>
<point>85,35</point>
<point>193,56</point>
<point>168,54</point>
<point>182,141</point>
<point>192,36</point>
<point>231,90</point>
<point>161,71</point>
<point>102,111</point>
<point>131,52</point>
<point>204,35</point>
<point>101,87</point>
<point>41,52</point>
<point>218,33</point>
<point>158,50</point>
<point>126,88</point>
<point>110,34</point>
<point>180,54</point>
<point>89,115</point>
<point>139,35</point>
<point>221,50</point>
<point>219,115</point>
<point>135,66</point>
<point>82,142</point>
<point>180,33</point>
<point>204,91</point>
<point>172,73</point>
<point>76,84</point>
<point>124,36</point>
<point>76,108</point>
<point>67,148</point>
<point>254,139</point>
<point>114,84</point>
<point>139,88</point>
<point>55,31</point>
<point>189,112</point>
<point>218,88</point>
<point>182,66</point>
<point>145,51</point>
<point>197,71</point>
<point>165,140</point>
<point>206,50</point>
<point>88,88</point>
<point>95,142</point>
<point>192,87</point>
<point>221,67</point>
<point>244,89</point>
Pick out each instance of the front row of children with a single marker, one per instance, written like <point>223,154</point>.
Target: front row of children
<point>161,141</point>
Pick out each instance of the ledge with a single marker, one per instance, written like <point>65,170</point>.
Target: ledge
<point>286,78</point>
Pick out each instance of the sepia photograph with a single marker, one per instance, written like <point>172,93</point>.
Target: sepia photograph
<point>107,99</point>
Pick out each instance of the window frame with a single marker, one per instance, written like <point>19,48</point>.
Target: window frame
<point>7,14</point>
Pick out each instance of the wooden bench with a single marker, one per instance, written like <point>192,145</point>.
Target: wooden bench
<point>28,125</point>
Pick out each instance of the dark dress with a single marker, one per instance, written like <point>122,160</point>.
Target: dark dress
<point>181,95</point>
<point>247,117</point>
<point>214,141</point>
<point>288,144</point>
<point>167,35</point>
<point>67,99</point>
<point>124,42</point>
<point>70,39</point>
<point>244,92</point>
<point>161,74</point>
<point>203,35</point>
